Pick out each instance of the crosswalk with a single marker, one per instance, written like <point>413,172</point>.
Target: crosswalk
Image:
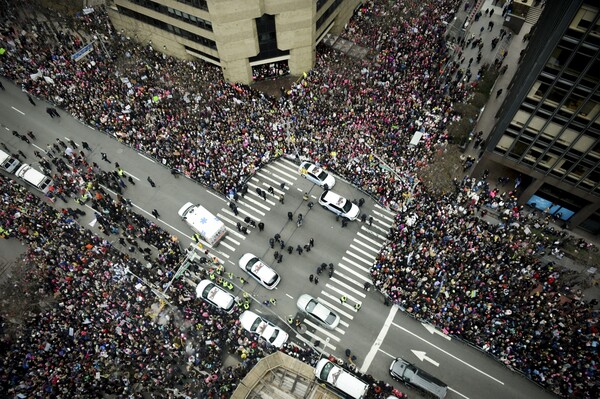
<point>349,280</point>
<point>350,274</point>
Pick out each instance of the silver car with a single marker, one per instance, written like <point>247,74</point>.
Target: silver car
<point>318,312</point>
<point>317,175</point>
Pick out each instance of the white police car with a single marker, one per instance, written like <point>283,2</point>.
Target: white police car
<point>215,295</point>
<point>316,174</point>
<point>264,328</point>
<point>339,205</point>
<point>259,270</point>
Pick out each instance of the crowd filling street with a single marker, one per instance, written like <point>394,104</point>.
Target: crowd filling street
<point>479,281</point>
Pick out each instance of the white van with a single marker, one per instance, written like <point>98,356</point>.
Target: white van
<point>34,178</point>
<point>210,228</point>
<point>7,162</point>
<point>340,379</point>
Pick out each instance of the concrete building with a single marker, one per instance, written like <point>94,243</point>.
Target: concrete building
<point>547,132</point>
<point>237,35</point>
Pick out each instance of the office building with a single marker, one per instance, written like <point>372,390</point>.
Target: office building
<point>237,35</point>
<point>547,131</point>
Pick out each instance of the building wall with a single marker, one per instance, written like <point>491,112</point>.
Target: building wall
<point>549,125</point>
<point>234,31</point>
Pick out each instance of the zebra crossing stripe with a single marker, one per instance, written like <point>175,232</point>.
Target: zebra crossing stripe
<point>358,275</point>
<point>254,202</point>
<point>391,220</point>
<point>370,239</point>
<point>360,267</point>
<point>293,168</point>
<point>392,213</point>
<point>361,251</point>
<point>363,228</point>
<point>375,250</point>
<point>264,176</point>
<point>335,307</point>
<point>223,243</point>
<point>322,330</point>
<point>339,274</point>
<point>346,286</point>
<point>341,292</point>
<point>324,342</point>
<point>365,261</point>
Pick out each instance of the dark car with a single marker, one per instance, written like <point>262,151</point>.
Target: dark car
<point>410,374</point>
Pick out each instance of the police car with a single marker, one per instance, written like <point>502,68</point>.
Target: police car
<point>339,205</point>
<point>215,295</point>
<point>264,328</point>
<point>316,174</point>
<point>259,270</point>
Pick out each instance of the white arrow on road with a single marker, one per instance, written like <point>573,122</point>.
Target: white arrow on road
<point>422,356</point>
<point>433,330</point>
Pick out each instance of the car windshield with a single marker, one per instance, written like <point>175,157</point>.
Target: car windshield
<point>274,336</point>
<point>330,318</point>
<point>251,263</point>
<point>320,173</point>
<point>347,206</point>
<point>325,371</point>
<point>409,372</point>
<point>207,289</point>
<point>256,323</point>
<point>310,306</point>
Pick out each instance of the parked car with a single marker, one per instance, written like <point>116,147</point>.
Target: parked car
<point>316,174</point>
<point>259,270</point>
<point>270,332</point>
<point>215,295</point>
<point>339,205</point>
<point>410,374</point>
<point>318,312</point>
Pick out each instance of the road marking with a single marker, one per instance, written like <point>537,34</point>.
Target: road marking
<point>369,239</point>
<point>434,330</point>
<point>229,238</point>
<point>360,276</point>
<point>359,242</point>
<point>448,353</point>
<point>385,210</point>
<point>333,307</point>
<point>317,338</point>
<point>39,148</point>
<point>346,286</point>
<point>256,203</point>
<point>21,112</point>
<point>363,252</point>
<point>321,330</point>
<point>289,296</point>
<point>421,355</point>
<point>217,196</point>
<point>341,292</point>
<point>455,391</point>
<point>373,233</point>
<point>149,159</point>
<point>379,340</point>
<point>383,216</point>
<point>362,268</point>
<point>227,245</point>
<point>337,279</point>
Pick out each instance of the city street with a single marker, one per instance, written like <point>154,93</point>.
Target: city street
<point>375,334</point>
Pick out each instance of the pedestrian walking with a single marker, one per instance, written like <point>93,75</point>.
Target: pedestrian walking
<point>282,185</point>
<point>280,258</point>
<point>305,197</point>
<point>370,220</point>
<point>281,198</point>
<point>311,242</point>
<point>86,146</point>
<point>343,299</point>
<point>155,213</point>
<point>49,112</point>
<point>104,157</point>
<point>277,237</point>
<point>290,249</point>
<point>499,93</point>
<point>31,100</point>
<point>151,182</point>
<point>272,242</point>
<point>235,210</point>
<point>239,226</point>
<point>290,216</point>
<point>271,190</point>
<point>244,230</point>
<point>264,195</point>
<point>316,280</point>
<point>357,306</point>
<point>311,278</point>
<point>298,249</point>
<point>282,243</point>
<point>367,286</point>
<point>344,222</point>
<point>261,226</point>
<point>307,248</point>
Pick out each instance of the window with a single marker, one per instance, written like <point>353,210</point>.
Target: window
<point>584,18</point>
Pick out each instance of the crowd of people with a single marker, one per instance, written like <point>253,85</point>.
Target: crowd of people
<point>355,117</point>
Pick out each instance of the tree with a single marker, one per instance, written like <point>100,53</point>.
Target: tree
<point>445,166</point>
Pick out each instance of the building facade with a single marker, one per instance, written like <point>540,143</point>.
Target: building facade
<point>237,35</point>
<point>548,128</point>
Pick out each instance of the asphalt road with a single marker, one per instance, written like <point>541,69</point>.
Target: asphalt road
<point>375,334</point>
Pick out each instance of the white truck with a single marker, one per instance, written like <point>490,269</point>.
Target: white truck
<point>34,178</point>
<point>210,227</point>
<point>7,162</point>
